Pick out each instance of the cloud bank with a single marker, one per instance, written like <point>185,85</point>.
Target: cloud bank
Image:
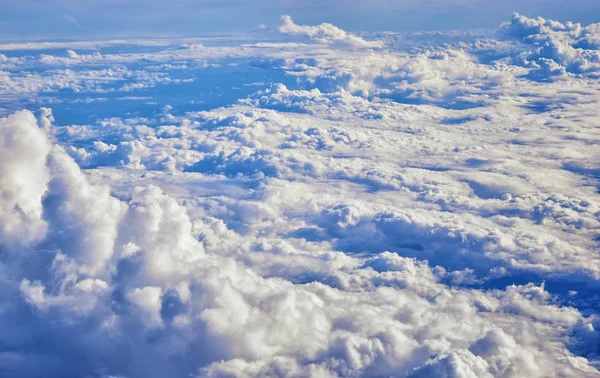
<point>325,34</point>
<point>429,210</point>
<point>559,48</point>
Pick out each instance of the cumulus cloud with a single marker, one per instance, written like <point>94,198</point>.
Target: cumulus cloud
<point>24,178</point>
<point>420,213</point>
<point>135,270</point>
<point>560,48</point>
<point>325,34</point>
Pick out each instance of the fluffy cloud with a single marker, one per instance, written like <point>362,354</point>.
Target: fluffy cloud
<point>325,34</point>
<point>137,271</point>
<point>559,48</point>
<point>24,178</point>
<point>412,214</point>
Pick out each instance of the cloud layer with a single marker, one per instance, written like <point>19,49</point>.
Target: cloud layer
<point>325,33</point>
<point>428,209</point>
<point>559,48</point>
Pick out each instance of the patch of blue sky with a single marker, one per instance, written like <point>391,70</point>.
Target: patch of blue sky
<point>188,90</point>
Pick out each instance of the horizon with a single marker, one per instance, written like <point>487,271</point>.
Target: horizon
<point>61,19</point>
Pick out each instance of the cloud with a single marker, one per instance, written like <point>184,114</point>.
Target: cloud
<point>560,48</point>
<point>25,178</point>
<point>426,211</point>
<point>325,34</point>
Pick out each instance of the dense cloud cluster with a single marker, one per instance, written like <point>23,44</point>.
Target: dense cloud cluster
<point>408,213</point>
<point>559,48</point>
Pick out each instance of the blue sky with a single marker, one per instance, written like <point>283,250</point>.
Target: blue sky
<point>69,19</point>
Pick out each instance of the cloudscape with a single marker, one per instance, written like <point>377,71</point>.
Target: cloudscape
<point>300,189</point>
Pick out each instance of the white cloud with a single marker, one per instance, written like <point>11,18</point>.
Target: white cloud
<point>263,325</point>
<point>23,152</point>
<point>325,34</point>
<point>559,48</point>
<point>148,300</point>
<point>411,213</point>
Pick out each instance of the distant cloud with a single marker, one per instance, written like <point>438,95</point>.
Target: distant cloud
<point>71,20</point>
<point>557,48</point>
<point>325,34</point>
